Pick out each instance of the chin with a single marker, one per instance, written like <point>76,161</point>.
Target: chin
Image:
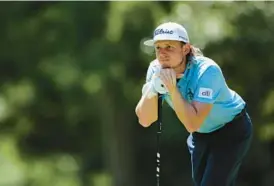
<point>164,65</point>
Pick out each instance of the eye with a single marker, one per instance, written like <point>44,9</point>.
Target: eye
<point>169,47</point>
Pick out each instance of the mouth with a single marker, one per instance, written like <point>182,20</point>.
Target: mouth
<point>164,63</point>
<point>164,60</point>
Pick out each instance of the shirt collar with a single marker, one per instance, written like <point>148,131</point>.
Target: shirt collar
<point>191,62</point>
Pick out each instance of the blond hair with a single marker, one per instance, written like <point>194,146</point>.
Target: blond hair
<point>194,51</point>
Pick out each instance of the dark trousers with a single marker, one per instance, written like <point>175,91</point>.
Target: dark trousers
<point>216,157</point>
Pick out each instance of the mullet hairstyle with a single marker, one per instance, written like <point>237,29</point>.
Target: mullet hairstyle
<point>194,51</point>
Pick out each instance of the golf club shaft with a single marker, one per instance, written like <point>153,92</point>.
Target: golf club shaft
<point>159,131</point>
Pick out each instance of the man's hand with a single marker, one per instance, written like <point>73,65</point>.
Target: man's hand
<point>168,76</point>
<point>159,85</point>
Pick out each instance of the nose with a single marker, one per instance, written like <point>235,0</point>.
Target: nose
<point>162,53</point>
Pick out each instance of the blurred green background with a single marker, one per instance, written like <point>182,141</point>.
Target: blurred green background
<point>71,75</point>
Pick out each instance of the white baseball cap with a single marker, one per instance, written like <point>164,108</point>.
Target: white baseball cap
<point>168,31</point>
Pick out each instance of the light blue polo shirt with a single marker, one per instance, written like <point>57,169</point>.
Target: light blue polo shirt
<point>203,81</point>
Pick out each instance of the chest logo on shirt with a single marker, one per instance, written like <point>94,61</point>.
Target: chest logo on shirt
<point>205,93</point>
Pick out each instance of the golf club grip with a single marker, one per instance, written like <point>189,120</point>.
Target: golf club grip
<point>159,131</point>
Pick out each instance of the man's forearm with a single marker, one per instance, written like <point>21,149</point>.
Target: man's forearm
<point>185,112</point>
<point>146,109</point>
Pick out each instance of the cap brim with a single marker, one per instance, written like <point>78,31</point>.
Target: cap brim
<point>149,42</point>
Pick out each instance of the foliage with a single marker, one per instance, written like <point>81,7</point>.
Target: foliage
<point>71,75</point>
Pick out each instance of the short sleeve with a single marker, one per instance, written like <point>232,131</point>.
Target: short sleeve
<point>149,73</point>
<point>209,85</point>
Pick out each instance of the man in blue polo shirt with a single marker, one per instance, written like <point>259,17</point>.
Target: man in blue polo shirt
<point>214,115</point>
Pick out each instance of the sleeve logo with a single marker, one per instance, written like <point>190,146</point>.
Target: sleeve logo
<point>205,93</point>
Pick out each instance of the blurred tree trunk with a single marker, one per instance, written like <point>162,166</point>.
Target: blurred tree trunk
<point>116,140</point>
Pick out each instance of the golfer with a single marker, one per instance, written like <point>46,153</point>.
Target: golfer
<point>195,88</point>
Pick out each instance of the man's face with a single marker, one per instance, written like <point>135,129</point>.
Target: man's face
<point>169,53</point>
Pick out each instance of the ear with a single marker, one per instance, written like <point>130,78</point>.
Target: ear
<point>186,48</point>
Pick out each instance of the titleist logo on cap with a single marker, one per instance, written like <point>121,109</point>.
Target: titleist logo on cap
<point>162,31</point>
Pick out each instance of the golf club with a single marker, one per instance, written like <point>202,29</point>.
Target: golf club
<point>159,131</point>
